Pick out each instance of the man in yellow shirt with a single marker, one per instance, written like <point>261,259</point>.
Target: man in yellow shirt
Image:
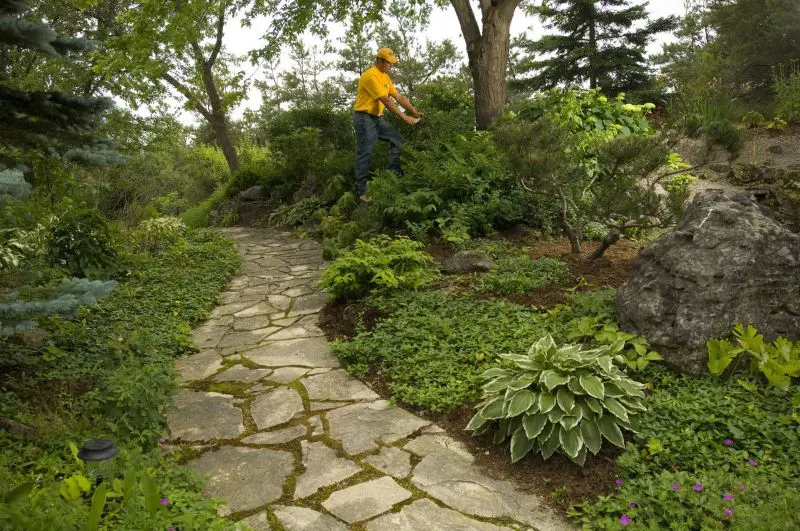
<point>376,92</point>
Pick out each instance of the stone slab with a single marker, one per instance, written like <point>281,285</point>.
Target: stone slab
<point>241,339</point>
<point>313,352</point>
<point>308,304</point>
<point>362,427</point>
<point>257,310</point>
<point>276,437</point>
<point>244,478</point>
<point>392,461</point>
<point>322,468</point>
<point>240,373</point>
<point>285,375</point>
<point>246,324</point>
<point>424,514</point>
<point>456,482</point>
<point>297,332</point>
<point>366,500</point>
<point>198,366</point>
<point>337,385</point>
<point>302,519</point>
<point>428,444</point>
<point>202,416</point>
<point>276,408</point>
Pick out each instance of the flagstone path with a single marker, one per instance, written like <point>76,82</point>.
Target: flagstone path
<point>288,440</point>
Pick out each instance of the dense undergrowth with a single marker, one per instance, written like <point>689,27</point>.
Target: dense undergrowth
<point>108,373</point>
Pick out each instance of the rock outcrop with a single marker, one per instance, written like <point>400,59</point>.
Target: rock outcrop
<point>468,262</point>
<point>728,261</point>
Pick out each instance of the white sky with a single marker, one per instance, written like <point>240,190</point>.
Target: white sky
<point>444,25</point>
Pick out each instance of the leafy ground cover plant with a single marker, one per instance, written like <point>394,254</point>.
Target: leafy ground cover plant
<point>379,264</point>
<point>778,361</point>
<point>558,399</point>
<point>521,274</point>
<point>159,233</point>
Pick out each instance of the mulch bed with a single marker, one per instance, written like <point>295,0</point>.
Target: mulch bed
<point>557,480</point>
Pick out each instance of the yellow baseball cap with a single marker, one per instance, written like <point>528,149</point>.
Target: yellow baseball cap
<point>388,55</point>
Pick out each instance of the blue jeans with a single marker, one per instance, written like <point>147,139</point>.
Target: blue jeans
<point>370,129</point>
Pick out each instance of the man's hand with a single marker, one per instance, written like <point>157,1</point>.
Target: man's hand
<point>410,120</point>
<point>417,114</point>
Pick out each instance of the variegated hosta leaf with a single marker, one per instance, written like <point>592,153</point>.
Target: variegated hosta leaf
<point>546,402</point>
<point>591,435</point>
<point>523,381</point>
<point>497,385</point>
<point>552,379</point>
<point>520,445</point>
<point>495,372</point>
<point>520,402</point>
<point>571,441</point>
<point>617,409</point>
<point>534,424</point>
<point>476,422</point>
<point>610,430</point>
<point>494,409</point>
<point>565,400</point>
<point>593,386</point>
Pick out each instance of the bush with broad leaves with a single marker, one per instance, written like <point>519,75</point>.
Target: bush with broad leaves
<point>558,399</point>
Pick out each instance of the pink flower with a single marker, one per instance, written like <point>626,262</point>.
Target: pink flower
<point>624,520</point>
<point>728,442</point>
<point>617,482</point>
<point>698,488</point>
<point>728,511</point>
<point>727,497</point>
<point>676,486</point>
<point>752,462</point>
<point>632,505</point>
<point>164,502</point>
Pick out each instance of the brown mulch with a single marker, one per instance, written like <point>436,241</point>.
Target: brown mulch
<point>557,480</point>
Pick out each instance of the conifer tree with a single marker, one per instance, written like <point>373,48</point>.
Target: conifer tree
<point>599,42</point>
<point>52,123</point>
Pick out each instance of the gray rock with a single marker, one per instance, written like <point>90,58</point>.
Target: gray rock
<point>468,262</point>
<point>726,262</point>
<point>302,519</point>
<point>337,385</point>
<point>276,407</point>
<point>280,302</point>
<point>257,522</point>
<point>312,352</point>
<point>256,310</point>
<point>241,340</point>
<point>322,468</point>
<point>198,366</point>
<point>366,500</point>
<point>244,478</point>
<point>286,375</point>
<point>276,437</point>
<point>362,427</point>
<point>324,406</point>
<point>456,482</point>
<point>230,309</point>
<point>775,149</point>
<point>247,324</point>
<point>424,514</point>
<point>204,417</point>
<point>296,332</point>
<point>308,304</point>
<point>392,461</point>
<point>316,425</point>
<point>206,337</point>
<point>299,291</point>
<point>240,373</point>
<point>254,193</point>
<point>432,443</point>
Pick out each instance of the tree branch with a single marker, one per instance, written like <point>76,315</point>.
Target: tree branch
<point>466,18</point>
<point>220,30</point>
<point>187,93</point>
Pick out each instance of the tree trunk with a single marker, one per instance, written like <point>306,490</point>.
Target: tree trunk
<point>487,50</point>
<point>608,240</point>
<point>218,120</point>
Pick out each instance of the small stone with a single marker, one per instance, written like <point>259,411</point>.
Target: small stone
<point>260,309</point>
<point>280,302</point>
<point>302,519</point>
<point>322,468</point>
<point>313,352</point>
<point>425,445</point>
<point>775,149</point>
<point>362,427</point>
<point>240,373</point>
<point>392,461</point>
<point>208,336</point>
<point>322,370</point>
<point>284,321</point>
<point>257,522</point>
<point>366,500</point>
<point>225,320</point>
<point>204,416</point>
<point>230,309</point>
<point>241,339</point>
<point>198,366</point>
<point>276,408</point>
<point>324,406</point>
<point>309,304</point>
<point>244,478</point>
<point>276,437</point>
<point>424,514</point>
<point>246,324</point>
<point>286,375</point>
<point>296,332</point>
<point>298,291</point>
<point>316,426</point>
<point>337,385</point>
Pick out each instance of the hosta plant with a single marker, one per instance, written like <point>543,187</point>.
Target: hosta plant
<point>158,233</point>
<point>558,399</point>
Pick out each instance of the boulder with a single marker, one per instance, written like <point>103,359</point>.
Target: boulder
<point>728,261</point>
<point>254,193</point>
<point>468,262</point>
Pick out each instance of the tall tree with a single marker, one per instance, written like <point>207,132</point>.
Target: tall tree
<point>48,122</point>
<point>176,44</point>
<point>601,42</point>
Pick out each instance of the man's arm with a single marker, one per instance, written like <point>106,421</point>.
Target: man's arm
<point>386,100</point>
<point>406,104</point>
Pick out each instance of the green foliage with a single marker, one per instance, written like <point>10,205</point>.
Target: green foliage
<point>379,264</point>
<point>553,399</point>
<point>80,241</point>
<point>431,347</point>
<point>723,436</point>
<point>160,233</point>
<point>634,351</point>
<point>521,275</point>
<point>709,113</point>
<point>13,183</point>
<point>12,250</point>
<point>778,362</point>
<point>296,214</point>
<point>787,93</point>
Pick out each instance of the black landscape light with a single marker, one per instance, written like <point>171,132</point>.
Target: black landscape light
<point>95,453</point>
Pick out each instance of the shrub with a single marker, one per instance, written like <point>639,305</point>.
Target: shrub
<point>159,233</point>
<point>13,183</point>
<point>787,93</point>
<point>80,242</point>
<point>12,250</point>
<point>562,400</point>
<point>521,275</point>
<point>379,264</point>
<point>296,214</point>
